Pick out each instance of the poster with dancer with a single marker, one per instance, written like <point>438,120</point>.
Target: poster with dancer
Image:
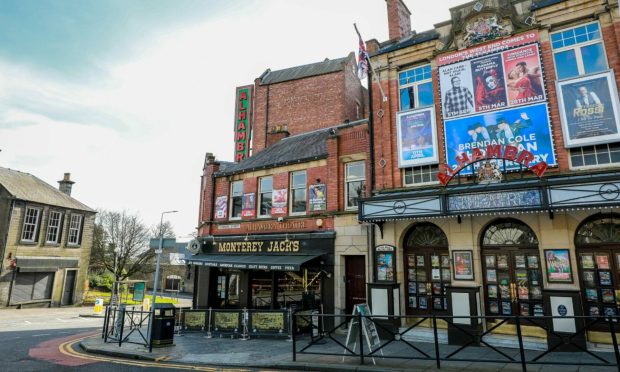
<point>523,75</point>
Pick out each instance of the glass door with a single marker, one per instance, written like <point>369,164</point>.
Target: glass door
<point>428,274</point>
<point>513,282</point>
<point>599,275</point>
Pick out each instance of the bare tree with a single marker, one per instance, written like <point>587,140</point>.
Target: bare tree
<point>165,230</point>
<point>126,234</point>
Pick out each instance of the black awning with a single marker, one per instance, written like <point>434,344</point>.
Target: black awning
<point>252,262</point>
<point>45,264</point>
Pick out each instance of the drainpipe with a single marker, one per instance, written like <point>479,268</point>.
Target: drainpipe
<point>371,145</point>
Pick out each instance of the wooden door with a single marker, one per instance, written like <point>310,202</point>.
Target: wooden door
<point>428,274</point>
<point>355,281</point>
<point>67,293</point>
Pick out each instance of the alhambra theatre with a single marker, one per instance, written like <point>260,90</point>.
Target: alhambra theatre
<point>496,161</point>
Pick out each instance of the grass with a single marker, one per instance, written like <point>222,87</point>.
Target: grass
<point>125,298</point>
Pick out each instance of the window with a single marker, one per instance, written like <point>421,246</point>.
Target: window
<point>420,175</point>
<point>354,183</point>
<point>236,198</point>
<point>53,227</point>
<point>578,51</point>
<point>75,229</point>
<point>31,224</point>
<point>298,192</point>
<point>591,156</point>
<point>265,188</point>
<point>416,88</point>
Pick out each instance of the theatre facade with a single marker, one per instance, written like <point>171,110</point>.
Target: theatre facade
<point>496,158</point>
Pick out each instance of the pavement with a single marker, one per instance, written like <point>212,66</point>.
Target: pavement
<point>195,348</point>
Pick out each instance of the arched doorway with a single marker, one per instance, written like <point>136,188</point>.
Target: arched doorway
<point>427,269</point>
<point>511,269</point>
<point>597,241</point>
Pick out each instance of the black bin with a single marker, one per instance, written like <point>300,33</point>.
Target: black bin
<point>163,325</point>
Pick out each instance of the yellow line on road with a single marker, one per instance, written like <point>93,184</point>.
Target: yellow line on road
<point>67,349</point>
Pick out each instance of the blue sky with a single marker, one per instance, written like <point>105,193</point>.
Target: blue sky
<point>129,95</point>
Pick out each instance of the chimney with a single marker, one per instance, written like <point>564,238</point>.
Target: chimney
<point>399,19</point>
<point>66,184</point>
<point>277,133</point>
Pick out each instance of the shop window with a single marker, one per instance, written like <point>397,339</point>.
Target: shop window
<point>228,289</point>
<point>75,229</point>
<point>355,183</point>
<point>54,224</point>
<point>598,257</point>
<point>31,224</point>
<point>593,156</point>
<point>420,175</point>
<point>298,192</point>
<point>427,269</point>
<point>236,199</point>
<point>416,88</point>
<point>265,188</point>
<point>578,51</point>
<point>512,270</point>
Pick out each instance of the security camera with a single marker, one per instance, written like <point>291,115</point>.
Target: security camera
<point>280,219</point>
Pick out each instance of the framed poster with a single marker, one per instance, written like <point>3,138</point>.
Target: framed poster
<point>316,197</point>
<point>463,265</point>
<point>221,206</point>
<point>279,200</point>
<point>558,265</point>
<point>385,263</point>
<point>523,75</point>
<point>417,137</point>
<point>456,87</point>
<point>249,205</point>
<point>589,109</point>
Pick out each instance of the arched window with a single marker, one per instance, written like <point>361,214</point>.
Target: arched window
<point>427,269</point>
<point>599,229</point>
<point>509,232</point>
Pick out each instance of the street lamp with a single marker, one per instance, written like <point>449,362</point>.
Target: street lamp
<point>158,251</point>
<point>115,284</point>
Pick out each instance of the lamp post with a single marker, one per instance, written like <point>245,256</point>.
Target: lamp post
<point>158,251</point>
<point>115,284</point>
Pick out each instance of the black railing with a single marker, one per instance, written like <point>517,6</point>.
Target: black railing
<point>363,337</point>
<point>126,325</point>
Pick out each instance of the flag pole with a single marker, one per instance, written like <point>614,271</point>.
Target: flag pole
<point>374,74</point>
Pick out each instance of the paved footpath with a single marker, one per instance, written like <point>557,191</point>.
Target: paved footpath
<point>197,349</point>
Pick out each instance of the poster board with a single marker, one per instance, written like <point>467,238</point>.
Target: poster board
<point>368,329</point>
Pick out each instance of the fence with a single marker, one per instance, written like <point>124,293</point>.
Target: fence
<point>475,345</point>
<point>126,325</point>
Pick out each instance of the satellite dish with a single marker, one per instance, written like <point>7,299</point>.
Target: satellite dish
<point>194,247</point>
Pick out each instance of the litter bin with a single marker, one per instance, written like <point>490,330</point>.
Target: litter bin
<point>163,325</point>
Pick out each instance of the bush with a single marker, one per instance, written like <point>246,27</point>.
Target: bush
<point>104,280</point>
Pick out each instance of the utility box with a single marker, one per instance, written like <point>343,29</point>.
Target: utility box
<point>163,325</point>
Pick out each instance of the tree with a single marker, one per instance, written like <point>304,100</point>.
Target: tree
<point>126,234</point>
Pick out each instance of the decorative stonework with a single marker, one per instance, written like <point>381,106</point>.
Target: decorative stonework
<point>483,29</point>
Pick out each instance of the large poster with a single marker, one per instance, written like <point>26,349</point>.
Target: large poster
<point>589,109</point>
<point>221,206</point>
<point>317,198</point>
<point>417,137</point>
<point>249,205</point>
<point>495,81</point>
<point>279,200</point>
<point>525,127</point>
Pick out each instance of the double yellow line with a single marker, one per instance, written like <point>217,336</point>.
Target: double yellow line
<point>67,349</point>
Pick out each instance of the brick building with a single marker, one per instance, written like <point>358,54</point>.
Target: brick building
<point>279,226</point>
<point>497,158</point>
<point>45,241</point>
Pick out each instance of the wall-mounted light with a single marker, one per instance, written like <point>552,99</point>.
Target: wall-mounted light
<point>319,222</point>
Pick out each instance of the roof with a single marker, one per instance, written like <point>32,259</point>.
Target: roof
<point>412,39</point>
<point>327,66</point>
<point>25,186</point>
<point>544,3</point>
<point>290,150</point>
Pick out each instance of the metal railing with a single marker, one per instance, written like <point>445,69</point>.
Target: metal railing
<point>126,325</point>
<point>476,343</point>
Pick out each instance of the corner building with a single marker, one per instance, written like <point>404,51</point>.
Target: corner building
<point>496,159</point>
<point>278,228</point>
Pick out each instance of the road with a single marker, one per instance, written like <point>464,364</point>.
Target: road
<point>47,340</point>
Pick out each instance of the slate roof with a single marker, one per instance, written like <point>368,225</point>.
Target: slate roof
<point>413,39</point>
<point>544,3</point>
<point>25,186</point>
<point>299,72</point>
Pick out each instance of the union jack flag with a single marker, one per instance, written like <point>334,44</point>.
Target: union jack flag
<point>362,59</point>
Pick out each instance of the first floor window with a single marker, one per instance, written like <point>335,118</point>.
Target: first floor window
<point>355,183</point>
<point>298,192</point>
<point>236,199</point>
<point>31,224</point>
<point>420,175</point>
<point>53,227</point>
<point>416,88</point>
<point>598,155</point>
<point>75,229</point>
<point>578,51</point>
<point>265,191</point>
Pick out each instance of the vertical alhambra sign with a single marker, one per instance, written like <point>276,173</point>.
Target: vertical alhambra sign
<point>243,122</point>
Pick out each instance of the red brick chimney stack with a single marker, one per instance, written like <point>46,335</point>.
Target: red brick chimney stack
<point>399,19</point>
<point>277,133</point>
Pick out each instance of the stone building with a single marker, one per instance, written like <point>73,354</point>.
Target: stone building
<point>45,241</point>
<point>278,228</point>
<point>497,157</point>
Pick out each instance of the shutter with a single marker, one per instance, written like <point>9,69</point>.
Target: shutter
<point>43,286</point>
<point>22,287</point>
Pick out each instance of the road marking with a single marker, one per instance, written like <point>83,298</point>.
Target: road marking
<point>27,322</point>
<point>41,335</point>
<point>67,349</point>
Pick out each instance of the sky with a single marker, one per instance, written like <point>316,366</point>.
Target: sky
<point>129,95</point>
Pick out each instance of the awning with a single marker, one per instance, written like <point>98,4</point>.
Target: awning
<point>252,262</point>
<point>44,264</point>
